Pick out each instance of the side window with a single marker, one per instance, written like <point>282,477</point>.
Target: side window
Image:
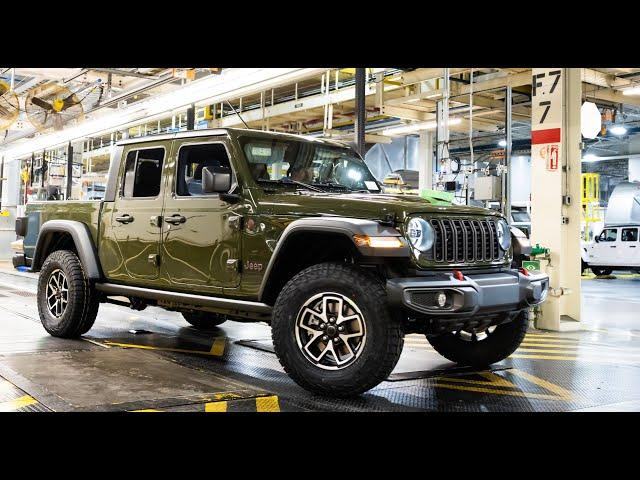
<point>192,159</point>
<point>629,235</point>
<point>609,235</point>
<point>142,173</point>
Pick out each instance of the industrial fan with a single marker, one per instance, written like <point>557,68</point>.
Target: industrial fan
<point>52,105</point>
<point>9,106</point>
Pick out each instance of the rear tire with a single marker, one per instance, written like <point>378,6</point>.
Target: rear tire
<point>333,331</point>
<point>204,320</point>
<point>601,271</point>
<point>459,347</point>
<point>67,302</point>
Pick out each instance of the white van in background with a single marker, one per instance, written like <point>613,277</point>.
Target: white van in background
<point>616,248</point>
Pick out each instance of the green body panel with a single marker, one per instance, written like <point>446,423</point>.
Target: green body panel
<point>198,256</point>
<point>87,212</point>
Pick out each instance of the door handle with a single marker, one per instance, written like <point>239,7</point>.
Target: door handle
<point>175,219</point>
<point>632,246</point>
<point>612,246</point>
<point>126,218</point>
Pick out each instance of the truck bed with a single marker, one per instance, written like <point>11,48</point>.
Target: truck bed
<point>87,212</point>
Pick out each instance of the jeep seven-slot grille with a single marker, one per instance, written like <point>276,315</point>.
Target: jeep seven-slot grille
<point>465,240</point>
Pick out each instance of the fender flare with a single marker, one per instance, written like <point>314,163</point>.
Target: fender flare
<point>81,236</point>
<point>340,225</point>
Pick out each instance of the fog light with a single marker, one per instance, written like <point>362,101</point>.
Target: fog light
<point>441,299</point>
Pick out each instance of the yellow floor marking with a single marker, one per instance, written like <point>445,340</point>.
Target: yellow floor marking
<point>164,349</point>
<point>551,340</point>
<point>146,410</point>
<point>541,357</point>
<point>217,349</point>
<point>18,403</point>
<point>547,385</point>
<point>559,393</point>
<point>215,407</point>
<point>553,336</point>
<point>267,404</point>
<point>493,391</point>
<point>549,345</point>
<point>493,380</point>
<point>542,350</point>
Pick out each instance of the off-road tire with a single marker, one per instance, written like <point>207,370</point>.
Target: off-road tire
<point>384,336</point>
<point>82,303</point>
<point>504,340</point>
<point>204,320</point>
<point>583,266</point>
<point>598,271</point>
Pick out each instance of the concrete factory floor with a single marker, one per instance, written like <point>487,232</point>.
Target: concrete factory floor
<point>154,361</point>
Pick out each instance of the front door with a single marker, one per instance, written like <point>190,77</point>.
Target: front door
<point>605,251</point>
<point>201,236</point>
<point>130,250</point>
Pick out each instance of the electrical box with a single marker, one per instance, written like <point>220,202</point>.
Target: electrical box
<point>488,188</point>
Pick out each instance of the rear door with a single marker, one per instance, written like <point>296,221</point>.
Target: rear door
<point>629,252</point>
<point>202,232</point>
<point>130,250</point>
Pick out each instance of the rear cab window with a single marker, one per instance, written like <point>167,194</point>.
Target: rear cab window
<point>629,235</point>
<point>142,173</point>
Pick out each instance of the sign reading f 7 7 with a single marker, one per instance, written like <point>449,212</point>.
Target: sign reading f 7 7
<point>546,116</point>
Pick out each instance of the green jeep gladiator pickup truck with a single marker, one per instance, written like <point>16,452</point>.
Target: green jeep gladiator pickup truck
<point>257,226</point>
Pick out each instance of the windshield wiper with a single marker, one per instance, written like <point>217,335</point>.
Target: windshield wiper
<point>332,185</point>
<point>290,181</point>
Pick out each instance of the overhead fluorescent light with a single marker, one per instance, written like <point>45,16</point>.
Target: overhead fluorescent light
<point>414,127</point>
<point>502,143</point>
<point>618,130</point>
<point>590,157</point>
<point>631,91</point>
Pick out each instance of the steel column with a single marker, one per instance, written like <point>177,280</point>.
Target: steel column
<point>191,117</point>
<point>360,119</point>
<point>506,177</point>
<point>69,171</point>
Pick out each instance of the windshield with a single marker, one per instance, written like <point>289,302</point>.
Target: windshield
<point>287,162</point>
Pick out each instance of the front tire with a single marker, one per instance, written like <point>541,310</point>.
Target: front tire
<point>204,320</point>
<point>333,331</point>
<point>598,271</point>
<point>67,303</point>
<point>483,348</point>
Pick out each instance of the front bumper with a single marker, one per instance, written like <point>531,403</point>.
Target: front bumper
<point>477,294</point>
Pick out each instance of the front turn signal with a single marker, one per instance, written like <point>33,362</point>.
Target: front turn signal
<point>377,242</point>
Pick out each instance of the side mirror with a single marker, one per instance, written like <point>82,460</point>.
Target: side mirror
<point>216,180</point>
<point>597,239</point>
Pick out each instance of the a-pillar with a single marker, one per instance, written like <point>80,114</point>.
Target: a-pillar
<point>555,190</point>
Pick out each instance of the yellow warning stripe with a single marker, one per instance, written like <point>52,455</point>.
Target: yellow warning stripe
<point>267,404</point>
<point>213,352</point>
<point>215,407</point>
<point>146,410</point>
<point>217,349</point>
<point>18,403</point>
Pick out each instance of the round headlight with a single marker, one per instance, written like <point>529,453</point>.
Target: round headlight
<point>420,234</point>
<point>504,235</point>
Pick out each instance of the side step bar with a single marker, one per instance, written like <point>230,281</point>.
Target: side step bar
<point>185,298</point>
